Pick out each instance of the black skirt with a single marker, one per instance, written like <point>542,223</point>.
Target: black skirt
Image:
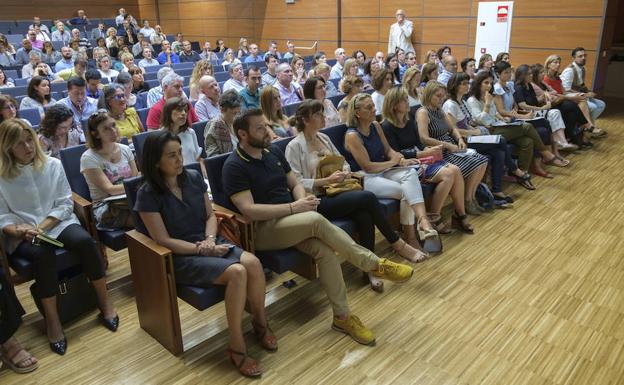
<point>11,310</point>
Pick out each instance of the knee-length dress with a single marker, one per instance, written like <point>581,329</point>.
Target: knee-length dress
<point>440,130</point>
<point>186,219</point>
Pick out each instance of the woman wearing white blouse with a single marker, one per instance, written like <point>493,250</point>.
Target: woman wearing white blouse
<point>35,198</point>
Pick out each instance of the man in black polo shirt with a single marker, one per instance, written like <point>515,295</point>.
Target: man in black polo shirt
<point>259,183</point>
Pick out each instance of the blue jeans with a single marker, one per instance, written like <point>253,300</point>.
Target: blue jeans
<point>596,107</point>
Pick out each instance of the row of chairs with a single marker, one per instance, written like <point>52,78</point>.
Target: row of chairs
<point>20,27</point>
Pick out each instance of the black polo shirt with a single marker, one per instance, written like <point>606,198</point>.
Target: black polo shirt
<point>265,178</point>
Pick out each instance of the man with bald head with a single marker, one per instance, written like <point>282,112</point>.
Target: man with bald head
<point>450,68</point>
<point>207,106</point>
<point>401,34</point>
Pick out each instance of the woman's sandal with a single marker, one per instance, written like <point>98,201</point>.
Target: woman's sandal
<point>503,197</point>
<point>417,256</point>
<point>265,335</point>
<point>461,222</point>
<point>248,367</point>
<point>543,174</point>
<point>525,181</point>
<point>596,132</point>
<point>18,363</point>
<point>439,224</point>
<point>430,239</point>
<point>375,283</point>
<point>556,161</point>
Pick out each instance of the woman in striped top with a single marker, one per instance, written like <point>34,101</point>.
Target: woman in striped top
<point>435,128</point>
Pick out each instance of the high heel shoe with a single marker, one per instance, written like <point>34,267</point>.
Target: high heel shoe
<point>461,222</point>
<point>429,238</point>
<point>110,324</point>
<point>59,347</point>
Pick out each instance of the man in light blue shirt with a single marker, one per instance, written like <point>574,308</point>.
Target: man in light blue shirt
<point>66,62</point>
<point>22,56</point>
<point>80,105</point>
<point>450,67</point>
<point>273,50</point>
<point>270,76</point>
<point>253,54</point>
<point>60,34</point>
<point>207,106</point>
<point>290,92</point>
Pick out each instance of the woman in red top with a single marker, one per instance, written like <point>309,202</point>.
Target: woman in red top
<point>551,79</point>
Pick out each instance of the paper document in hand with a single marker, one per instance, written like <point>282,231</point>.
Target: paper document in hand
<point>485,139</point>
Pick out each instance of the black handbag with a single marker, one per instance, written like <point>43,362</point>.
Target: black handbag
<point>74,298</point>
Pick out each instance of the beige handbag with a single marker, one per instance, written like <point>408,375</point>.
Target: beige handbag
<point>329,164</point>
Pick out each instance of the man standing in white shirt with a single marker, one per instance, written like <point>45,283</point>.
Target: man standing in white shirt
<point>401,34</point>
<point>573,81</point>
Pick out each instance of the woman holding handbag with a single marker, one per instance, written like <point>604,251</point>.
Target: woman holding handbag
<point>175,208</point>
<point>387,173</point>
<point>309,155</point>
<point>35,201</point>
<point>403,137</point>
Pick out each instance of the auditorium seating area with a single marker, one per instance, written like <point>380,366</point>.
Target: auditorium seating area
<point>534,267</point>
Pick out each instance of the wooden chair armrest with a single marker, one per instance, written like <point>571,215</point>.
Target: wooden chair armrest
<point>148,243</point>
<point>82,209</point>
<point>239,217</point>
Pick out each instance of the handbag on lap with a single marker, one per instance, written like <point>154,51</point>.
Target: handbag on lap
<point>329,164</point>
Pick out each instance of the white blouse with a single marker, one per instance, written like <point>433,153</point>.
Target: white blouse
<point>34,195</point>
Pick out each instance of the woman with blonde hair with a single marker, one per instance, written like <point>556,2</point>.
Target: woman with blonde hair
<point>271,105</point>
<point>402,136</point>
<point>431,57</point>
<point>411,83</point>
<point>350,67</point>
<point>243,50</point>
<point>229,59</point>
<point>350,86</point>
<point>368,150</point>
<point>362,207</point>
<point>202,68</point>
<point>111,38</point>
<point>428,72</point>
<point>37,200</point>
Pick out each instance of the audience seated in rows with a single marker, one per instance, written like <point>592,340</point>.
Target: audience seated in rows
<point>460,117</point>
<point>402,135</point>
<point>219,135</point>
<point>436,129</point>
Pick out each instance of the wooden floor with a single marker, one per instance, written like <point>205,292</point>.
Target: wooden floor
<point>536,296</point>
